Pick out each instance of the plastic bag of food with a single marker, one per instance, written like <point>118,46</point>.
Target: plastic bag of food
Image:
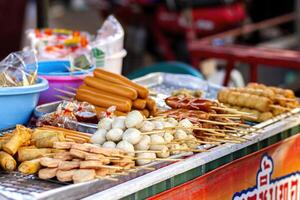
<point>18,69</point>
<point>110,37</point>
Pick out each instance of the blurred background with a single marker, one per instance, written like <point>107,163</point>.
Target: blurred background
<point>174,30</point>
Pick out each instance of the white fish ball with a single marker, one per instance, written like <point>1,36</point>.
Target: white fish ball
<point>175,149</point>
<point>99,137</point>
<point>114,135</point>
<point>133,119</point>
<point>157,142</point>
<point>164,152</point>
<point>185,123</point>
<point>147,126</point>
<point>144,143</point>
<point>168,137</point>
<point>168,124</point>
<point>109,144</point>
<point>105,123</point>
<point>126,146</point>
<point>180,134</point>
<point>172,121</point>
<point>159,125</point>
<point>142,161</point>
<point>132,136</point>
<point>119,122</point>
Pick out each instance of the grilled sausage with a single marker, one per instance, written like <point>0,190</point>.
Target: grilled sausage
<point>113,88</point>
<point>119,79</point>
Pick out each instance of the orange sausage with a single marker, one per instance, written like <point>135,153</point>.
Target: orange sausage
<point>116,78</point>
<point>139,104</point>
<point>102,101</point>
<point>117,113</point>
<point>146,112</point>
<point>107,94</point>
<point>150,104</point>
<point>110,87</point>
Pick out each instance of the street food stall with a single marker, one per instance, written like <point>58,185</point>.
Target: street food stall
<point>95,134</point>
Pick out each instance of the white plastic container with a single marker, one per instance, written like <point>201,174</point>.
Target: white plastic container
<point>114,63</point>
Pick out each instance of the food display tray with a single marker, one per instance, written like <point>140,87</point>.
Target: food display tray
<point>161,84</point>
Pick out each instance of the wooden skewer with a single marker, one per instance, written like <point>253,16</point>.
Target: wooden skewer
<point>119,173</point>
<point>63,98</point>
<point>215,134</point>
<point>65,130</point>
<point>235,128</point>
<point>71,94</point>
<point>219,140</point>
<point>225,115</point>
<point>165,143</point>
<point>160,159</point>
<point>77,139</point>
<point>234,111</point>
<point>190,150</point>
<point>107,178</point>
<point>110,167</point>
<point>154,132</point>
<point>146,151</point>
<point>147,168</point>
<point>285,99</point>
<point>70,140</point>
<point>218,123</point>
<point>71,88</point>
<point>238,138</point>
<point>280,107</point>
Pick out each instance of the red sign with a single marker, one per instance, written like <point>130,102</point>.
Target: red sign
<point>272,173</point>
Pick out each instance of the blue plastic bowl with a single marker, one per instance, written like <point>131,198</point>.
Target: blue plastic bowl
<point>59,68</point>
<point>18,103</point>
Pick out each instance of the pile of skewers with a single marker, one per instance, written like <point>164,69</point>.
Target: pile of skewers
<point>25,144</point>
<point>262,101</point>
<point>211,121</point>
<point>106,89</point>
<point>159,137</point>
<point>65,154</point>
<point>83,162</point>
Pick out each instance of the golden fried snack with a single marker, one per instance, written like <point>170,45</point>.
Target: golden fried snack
<point>7,162</point>
<point>68,165</point>
<point>25,153</point>
<point>47,173</point>
<point>65,176</point>
<point>83,175</point>
<point>30,166</point>
<point>21,135</point>
<point>244,100</point>
<point>47,142</point>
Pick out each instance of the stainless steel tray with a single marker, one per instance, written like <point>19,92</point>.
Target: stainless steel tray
<point>17,186</point>
<point>161,83</point>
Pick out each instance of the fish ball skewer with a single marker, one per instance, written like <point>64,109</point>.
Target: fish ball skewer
<point>119,122</point>
<point>126,146</point>
<point>109,144</point>
<point>144,143</point>
<point>99,137</point>
<point>145,161</point>
<point>147,126</point>
<point>157,142</point>
<point>180,134</point>
<point>105,123</point>
<point>132,136</point>
<point>133,119</point>
<point>114,135</point>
